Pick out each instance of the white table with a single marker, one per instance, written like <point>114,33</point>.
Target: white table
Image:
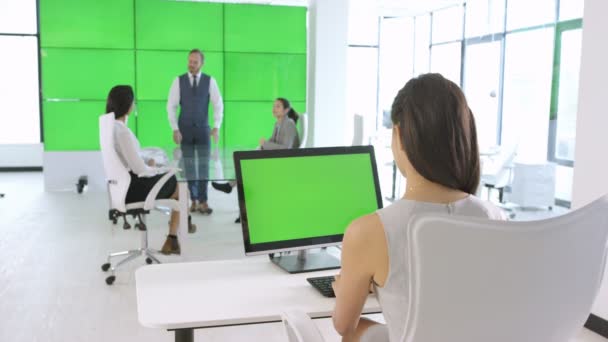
<point>186,296</point>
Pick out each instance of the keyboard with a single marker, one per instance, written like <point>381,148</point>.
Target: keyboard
<point>323,285</point>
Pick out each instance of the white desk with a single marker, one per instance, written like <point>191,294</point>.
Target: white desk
<point>187,296</point>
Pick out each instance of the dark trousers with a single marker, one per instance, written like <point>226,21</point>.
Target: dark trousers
<point>195,157</point>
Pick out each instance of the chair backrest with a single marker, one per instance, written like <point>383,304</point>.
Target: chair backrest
<point>117,176</point>
<point>303,129</point>
<point>358,130</point>
<point>300,328</point>
<point>533,185</point>
<point>478,280</point>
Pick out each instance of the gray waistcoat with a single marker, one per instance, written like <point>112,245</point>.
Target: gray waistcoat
<point>193,118</point>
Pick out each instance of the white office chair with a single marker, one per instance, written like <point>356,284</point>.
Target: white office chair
<point>358,130</point>
<point>303,129</point>
<point>299,327</point>
<point>497,169</point>
<point>118,180</point>
<point>533,185</point>
<point>478,280</point>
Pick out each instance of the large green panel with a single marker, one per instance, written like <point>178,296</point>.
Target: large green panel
<point>179,25</point>
<point>247,122</point>
<point>153,127</point>
<point>87,23</point>
<point>85,74</point>
<point>256,77</point>
<point>261,28</point>
<point>74,125</point>
<point>156,70</point>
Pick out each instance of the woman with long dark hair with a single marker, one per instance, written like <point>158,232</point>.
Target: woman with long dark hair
<point>143,176</point>
<point>435,148</point>
<point>285,134</point>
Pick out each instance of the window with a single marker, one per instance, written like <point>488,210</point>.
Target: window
<point>481,87</point>
<point>484,17</point>
<point>362,84</point>
<point>396,57</point>
<point>18,16</point>
<point>362,24</point>
<point>570,9</point>
<point>447,24</point>
<point>527,92</point>
<point>526,13</point>
<point>445,59</point>
<point>567,101</point>
<point>422,44</point>
<point>20,114</point>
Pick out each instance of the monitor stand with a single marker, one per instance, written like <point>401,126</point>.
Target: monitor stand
<point>306,262</point>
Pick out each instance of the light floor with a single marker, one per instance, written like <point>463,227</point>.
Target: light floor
<point>51,285</point>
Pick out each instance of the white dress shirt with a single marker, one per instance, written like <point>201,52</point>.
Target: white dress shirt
<point>129,151</point>
<point>214,94</point>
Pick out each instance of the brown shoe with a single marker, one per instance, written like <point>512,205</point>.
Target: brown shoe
<point>204,209</point>
<point>171,246</point>
<point>194,206</point>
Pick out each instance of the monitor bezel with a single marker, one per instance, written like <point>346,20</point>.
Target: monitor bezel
<point>296,244</point>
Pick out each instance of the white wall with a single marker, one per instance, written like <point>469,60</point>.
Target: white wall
<point>327,54</point>
<point>62,170</point>
<point>21,155</point>
<point>591,161</point>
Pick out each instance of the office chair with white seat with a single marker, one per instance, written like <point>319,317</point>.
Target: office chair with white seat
<point>299,327</point>
<point>303,119</point>
<point>118,180</point>
<point>478,280</point>
<point>533,185</point>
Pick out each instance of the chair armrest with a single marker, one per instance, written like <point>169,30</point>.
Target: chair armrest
<point>151,198</point>
<point>299,327</point>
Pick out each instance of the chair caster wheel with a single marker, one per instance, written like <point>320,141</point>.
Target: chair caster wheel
<point>110,280</point>
<point>148,261</point>
<point>105,267</point>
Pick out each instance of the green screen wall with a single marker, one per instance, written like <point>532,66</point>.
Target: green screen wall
<point>255,53</point>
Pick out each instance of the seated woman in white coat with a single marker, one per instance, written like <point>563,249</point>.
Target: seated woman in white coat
<point>143,176</point>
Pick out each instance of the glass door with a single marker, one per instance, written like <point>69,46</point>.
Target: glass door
<point>564,104</point>
<point>564,92</point>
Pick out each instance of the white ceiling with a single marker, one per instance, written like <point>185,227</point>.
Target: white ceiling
<point>384,7</point>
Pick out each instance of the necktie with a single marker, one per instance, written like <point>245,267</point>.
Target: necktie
<point>193,81</point>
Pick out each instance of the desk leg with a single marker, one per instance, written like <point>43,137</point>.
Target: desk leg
<point>184,195</point>
<point>184,335</point>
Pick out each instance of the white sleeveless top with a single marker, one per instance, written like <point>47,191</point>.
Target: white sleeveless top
<point>393,295</point>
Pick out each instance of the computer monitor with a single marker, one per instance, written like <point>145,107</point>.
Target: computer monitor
<point>300,199</point>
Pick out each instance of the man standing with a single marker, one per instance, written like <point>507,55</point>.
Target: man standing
<point>192,91</point>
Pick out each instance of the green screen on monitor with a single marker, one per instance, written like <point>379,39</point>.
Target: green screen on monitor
<point>259,28</point>
<point>85,73</point>
<point>156,71</point>
<point>87,23</point>
<point>254,77</point>
<point>179,25</point>
<point>305,197</point>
